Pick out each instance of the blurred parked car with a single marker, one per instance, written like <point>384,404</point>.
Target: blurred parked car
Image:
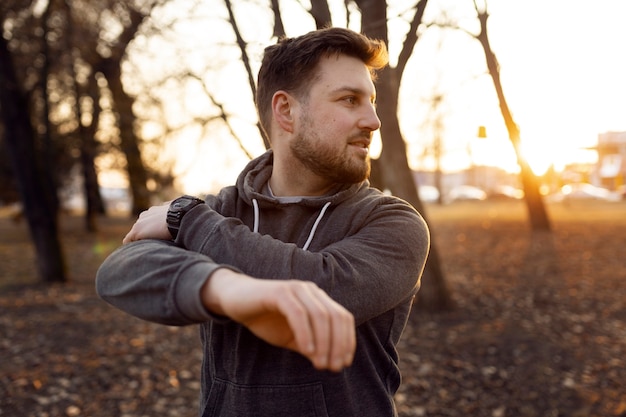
<point>465,192</point>
<point>428,193</point>
<point>585,191</point>
<point>505,192</point>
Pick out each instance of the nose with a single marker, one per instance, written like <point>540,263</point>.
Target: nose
<point>369,119</point>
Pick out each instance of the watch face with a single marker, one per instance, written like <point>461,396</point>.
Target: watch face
<point>177,210</point>
<point>183,203</point>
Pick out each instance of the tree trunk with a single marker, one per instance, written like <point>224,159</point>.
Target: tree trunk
<point>48,154</point>
<point>88,145</point>
<point>111,68</point>
<point>534,202</point>
<point>20,138</point>
<point>137,176</point>
<point>395,171</point>
<point>398,177</point>
<point>94,197</point>
<point>321,13</point>
<point>88,150</point>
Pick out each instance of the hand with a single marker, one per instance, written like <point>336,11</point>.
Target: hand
<point>293,314</point>
<point>151,224</point>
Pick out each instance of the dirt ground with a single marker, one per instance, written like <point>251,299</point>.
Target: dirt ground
<point>538,328</point>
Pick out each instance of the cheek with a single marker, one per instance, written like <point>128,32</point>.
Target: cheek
<point>335,121</point>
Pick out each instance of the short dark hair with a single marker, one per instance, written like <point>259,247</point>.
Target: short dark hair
<point>291,64</point>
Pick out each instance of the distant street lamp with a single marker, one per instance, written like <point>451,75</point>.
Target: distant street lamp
<point>473,174</point>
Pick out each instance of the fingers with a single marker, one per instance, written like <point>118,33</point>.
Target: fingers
<point>296,315</point>
<point>151,224</point>
<point>343,337</point>
<point>326,331</point>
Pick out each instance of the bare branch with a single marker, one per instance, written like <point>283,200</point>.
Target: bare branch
<point>279,28</point>
<point>246,62</point>
<point>222,114</point>
<point>411,36</point>
<point>321,13</point>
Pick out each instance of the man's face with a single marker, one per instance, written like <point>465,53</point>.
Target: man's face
<point>335,125</point>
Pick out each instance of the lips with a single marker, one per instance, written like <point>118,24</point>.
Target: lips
<point>361,144</point>
<point>360,148</point>
<point>362,141</point>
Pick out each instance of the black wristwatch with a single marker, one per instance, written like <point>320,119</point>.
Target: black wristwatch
<point>178,208</point>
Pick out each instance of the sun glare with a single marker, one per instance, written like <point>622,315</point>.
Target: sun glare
<point>539,157</point>
<point>494,151</point>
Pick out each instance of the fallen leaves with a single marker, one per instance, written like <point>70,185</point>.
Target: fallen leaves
<point>539,329</point>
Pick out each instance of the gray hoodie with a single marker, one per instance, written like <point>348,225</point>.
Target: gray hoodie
<point>365,249</point>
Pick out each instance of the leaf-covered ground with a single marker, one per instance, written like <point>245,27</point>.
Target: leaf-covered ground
<point>538,329</point>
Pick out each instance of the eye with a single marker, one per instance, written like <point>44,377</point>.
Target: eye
<point>350,100</point>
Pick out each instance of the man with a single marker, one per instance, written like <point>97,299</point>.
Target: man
<point>301,275</point>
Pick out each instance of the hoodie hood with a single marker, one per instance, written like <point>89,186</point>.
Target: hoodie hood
<point>256,174</point>
<point>254,178</point>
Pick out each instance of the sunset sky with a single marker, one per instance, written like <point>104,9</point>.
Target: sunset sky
<point>563,73</point>
<point>562,67</point>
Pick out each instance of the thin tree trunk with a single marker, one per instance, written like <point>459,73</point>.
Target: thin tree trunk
<point>534,202</point>
<point>20,138</point>
<point>48,157</point>
<point>91,177</point>
<point>111,68</point>
<point>398,177</point>
<point>137,175</point>
<point>279,27</point>
<point>321,14</point>
<point>88,147</point>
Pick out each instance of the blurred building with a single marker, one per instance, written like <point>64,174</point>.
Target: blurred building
<point>610,171</point>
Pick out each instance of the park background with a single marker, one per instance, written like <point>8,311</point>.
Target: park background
<point>532,317</point>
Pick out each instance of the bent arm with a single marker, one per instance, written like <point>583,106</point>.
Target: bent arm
<point>369,272</point>
<point>156,281</point>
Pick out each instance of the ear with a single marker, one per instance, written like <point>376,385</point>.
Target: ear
<point>283,110</point>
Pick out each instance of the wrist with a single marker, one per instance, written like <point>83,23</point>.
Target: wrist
<point>214,287</point>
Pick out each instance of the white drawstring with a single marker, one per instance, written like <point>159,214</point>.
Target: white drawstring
<point>255,228</point>
<point>255,204</point>
<point>317,221</point>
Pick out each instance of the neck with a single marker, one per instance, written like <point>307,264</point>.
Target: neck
<point>295,180</point>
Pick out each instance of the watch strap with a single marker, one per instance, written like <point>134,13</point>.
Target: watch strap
<point>177,210</point>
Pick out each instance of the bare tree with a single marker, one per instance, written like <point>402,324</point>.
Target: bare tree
<point>111,67</point>
<point>94,204</point>
<point>39,209</point>
<point>47,155</point>
<point>534,203</point>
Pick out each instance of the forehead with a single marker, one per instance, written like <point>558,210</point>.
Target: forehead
<point>343,72</point>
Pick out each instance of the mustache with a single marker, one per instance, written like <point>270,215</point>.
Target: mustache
<point>363,134</point>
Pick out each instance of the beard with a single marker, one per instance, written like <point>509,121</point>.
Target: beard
<point>332,163</point>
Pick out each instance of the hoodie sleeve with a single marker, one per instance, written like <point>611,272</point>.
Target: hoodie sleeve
<point>156,281</point>
<point>376,265</point>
